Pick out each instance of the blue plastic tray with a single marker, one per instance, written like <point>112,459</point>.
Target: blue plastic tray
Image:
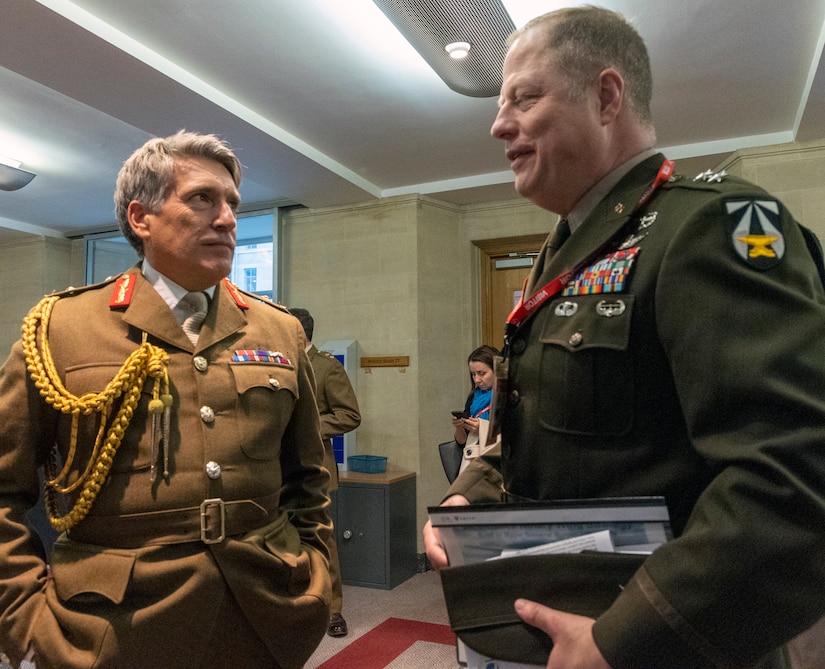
<point>367,464</point>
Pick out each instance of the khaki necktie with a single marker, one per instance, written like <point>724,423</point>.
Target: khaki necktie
<point>194,307</point>
<point>559,235</point>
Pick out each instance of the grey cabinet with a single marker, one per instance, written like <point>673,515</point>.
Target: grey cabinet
<point>374,516</point>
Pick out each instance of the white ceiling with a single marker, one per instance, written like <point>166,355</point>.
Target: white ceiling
<point>321,115</point>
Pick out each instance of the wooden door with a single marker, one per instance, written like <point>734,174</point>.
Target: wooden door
<point>505,264</point>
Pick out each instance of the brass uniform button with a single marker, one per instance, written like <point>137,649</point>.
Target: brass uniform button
<point>213,470</point>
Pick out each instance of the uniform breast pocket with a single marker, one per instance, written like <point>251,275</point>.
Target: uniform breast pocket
<point>134,452</point>
<point>266,398</point>
<point>586,367</point>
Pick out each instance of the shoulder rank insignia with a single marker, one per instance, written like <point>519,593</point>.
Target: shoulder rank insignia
<point>122,293</point>
<point>710,176</point>
<point>235,293</point>
<point>756,232</point>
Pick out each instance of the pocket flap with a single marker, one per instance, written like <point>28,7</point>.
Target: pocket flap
<point>272,377</point>
<point>80,568</point>
<point>578,324</point>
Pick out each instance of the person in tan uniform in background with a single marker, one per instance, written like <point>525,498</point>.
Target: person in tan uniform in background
<point>185,471</point>
<point>338,407</point>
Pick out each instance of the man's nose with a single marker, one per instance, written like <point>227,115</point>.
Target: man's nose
<point>502,125</point>
<point>226,217</point>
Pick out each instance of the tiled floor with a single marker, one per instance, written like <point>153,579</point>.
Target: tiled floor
<point>418,598</point>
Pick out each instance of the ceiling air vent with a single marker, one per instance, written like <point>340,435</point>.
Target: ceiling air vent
<point>431,25</point>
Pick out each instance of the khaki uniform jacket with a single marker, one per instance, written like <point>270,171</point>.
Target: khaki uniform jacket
<point>702,380</point>
<point>337,404</point>
<point>133,585</point>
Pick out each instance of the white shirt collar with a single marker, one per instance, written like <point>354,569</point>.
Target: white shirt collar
<point>171,292</point>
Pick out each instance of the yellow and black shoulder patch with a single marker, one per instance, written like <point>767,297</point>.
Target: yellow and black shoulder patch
<point>755,231</point>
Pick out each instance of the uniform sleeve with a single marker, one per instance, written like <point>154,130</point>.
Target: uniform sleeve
<point>305,480</point>
<point>25,421</point>
<point>746,347</point>
<point>480,482</point>
<point>342,413</point>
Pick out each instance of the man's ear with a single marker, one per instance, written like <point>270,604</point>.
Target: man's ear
<point>611,94</point>
<point>138,215</point>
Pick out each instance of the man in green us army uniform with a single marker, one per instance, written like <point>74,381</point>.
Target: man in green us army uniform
<point>185,469</point>
<point>673,345</point>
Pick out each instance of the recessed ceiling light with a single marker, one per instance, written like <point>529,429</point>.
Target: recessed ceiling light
<point>458,50</point>
<point>429,24</point>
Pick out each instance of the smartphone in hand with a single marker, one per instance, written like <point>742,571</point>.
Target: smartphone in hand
<point>461,414</point>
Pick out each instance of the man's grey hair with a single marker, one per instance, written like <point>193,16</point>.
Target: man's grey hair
<point>148,175</point>
<point>584,41</point>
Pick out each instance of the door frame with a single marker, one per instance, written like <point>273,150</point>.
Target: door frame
<point>490,250</point>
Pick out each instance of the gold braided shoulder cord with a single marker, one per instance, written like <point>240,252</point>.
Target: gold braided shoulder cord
<point>147,360</point>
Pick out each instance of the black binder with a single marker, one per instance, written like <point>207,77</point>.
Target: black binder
<point>480,598</point>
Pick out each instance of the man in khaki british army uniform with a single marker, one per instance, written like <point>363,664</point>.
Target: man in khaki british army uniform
<point>339,412</point>
<point>673,345</point>
<point>186,478</point>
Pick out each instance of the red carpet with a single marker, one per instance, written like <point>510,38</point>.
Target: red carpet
<point>382,644</point>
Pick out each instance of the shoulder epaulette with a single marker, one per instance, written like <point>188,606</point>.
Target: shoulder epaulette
<point>327,354</point>
<point>709,180</point>
<point>263,299</point>
<point>77,290</point>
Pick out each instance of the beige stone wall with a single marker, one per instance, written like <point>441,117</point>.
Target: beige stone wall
<point>794,173</point>
<point>401,277</point>
<point>29,270</point>
<point>355,269</point>
<point>444,339</point>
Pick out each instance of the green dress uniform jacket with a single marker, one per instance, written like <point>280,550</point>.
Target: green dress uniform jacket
<point>337,404</point>
<point>700,378</point>
<point>138,582</point>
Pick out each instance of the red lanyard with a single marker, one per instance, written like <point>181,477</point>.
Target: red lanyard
<point>526,308</point>
<point>478,413</point>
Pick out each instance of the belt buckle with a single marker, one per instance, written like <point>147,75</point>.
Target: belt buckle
<point>205,505</point>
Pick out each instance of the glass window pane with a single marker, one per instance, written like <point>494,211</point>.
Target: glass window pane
<point>107,256</point>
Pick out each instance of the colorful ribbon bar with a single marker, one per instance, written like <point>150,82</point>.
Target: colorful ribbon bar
<point>605,276</point>
<point>257,355</point>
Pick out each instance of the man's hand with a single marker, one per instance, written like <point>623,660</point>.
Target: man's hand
<point>572,635</point>
<point>432,540</point>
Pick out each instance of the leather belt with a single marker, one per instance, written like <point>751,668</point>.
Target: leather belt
<point>210,522</point>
